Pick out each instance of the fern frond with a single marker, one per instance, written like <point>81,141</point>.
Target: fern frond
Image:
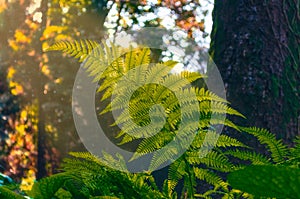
<point>174,82</point>
<point>76,187</point>
<point>295,151</point>
<point>212,160</point>
<point>226,141</point>
<point>85,155</point>
<point>167,191</point>
<point>212,139</point>
<point>218,107</point>
<point>143,58</point>
<point>107,159</point>
<point>235,193</point>
<point>47,187</point>
<point>176,172</point>
<point>126,138</point>
<point>117,163</point>
<point>279,151</point>
<point>104,181</point>
<point>176,146</point>
<point>78,165</point>
<point>6,193</point>
<point>156,73</point>
<point>210,121</point>
<point>164,155</point>
<point>191,76</point>
<point>255,158</point>
<point>78,49</point>
<point>203,95</point>
<point>130,59</point>
<point>210,177</point>
<point>153,143</point>
<point>294,156</point>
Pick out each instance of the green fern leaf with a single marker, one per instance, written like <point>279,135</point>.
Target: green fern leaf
<point>6,193</point>
<point>75,49</point>
<point>154,143</point>
<point>77,188</point>
<point>130,59</point>
<point>255,158</point>
<point>143,58</point>
<point>191,76</point>
<point>279,151</point>
<point>295,151</point>
<point>212,139</point>
<point>210,177</point>
<point>47,187</point>
<point>203,95</point>
<point>164,155</point>
<point>218,107</point>
<point>213,160</point>
<point>176,172</point>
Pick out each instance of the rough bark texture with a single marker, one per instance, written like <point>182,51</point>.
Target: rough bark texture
<point>255,45</point>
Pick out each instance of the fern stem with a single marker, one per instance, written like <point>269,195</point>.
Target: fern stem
<point>191,178</point>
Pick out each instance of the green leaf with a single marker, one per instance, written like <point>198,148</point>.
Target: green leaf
<point>210,177</point>
<point>47,187</point>
<point>279,151</point>
<point>255,158</point>
<point>267,181</point>
<point>6,193</point>
<point>176,172</point>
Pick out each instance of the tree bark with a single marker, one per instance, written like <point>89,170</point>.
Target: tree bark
<point>255,46</point>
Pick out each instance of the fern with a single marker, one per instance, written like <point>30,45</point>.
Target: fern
<point>212,108</point>
<point>117,66</point>
<point>203,95</point>
<point>47,187</point>
<point>136,86</point>
<point>210,177</point>
<point>77,188</point>
<point>78,49</point>
<point>7,193</point>
<point>100,180</point>
<point>279,151</point>
<point>212,138</point>
<point>295,152</point>
<point>176,172</point>
<point>213,160</point>
<point>253,157</point>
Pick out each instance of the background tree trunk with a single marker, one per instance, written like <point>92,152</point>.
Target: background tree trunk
<point>255,46</point>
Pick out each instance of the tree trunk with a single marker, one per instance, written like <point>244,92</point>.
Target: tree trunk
<point>255,46</point>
